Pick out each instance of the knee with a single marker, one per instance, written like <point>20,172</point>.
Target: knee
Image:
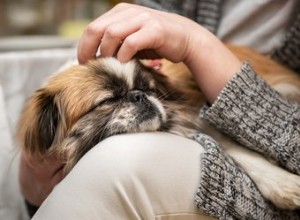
<point>120,157</point>
<point>138,156</point>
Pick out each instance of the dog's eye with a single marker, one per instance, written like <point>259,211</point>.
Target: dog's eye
<point>101,103</point>
<point>108,101</point>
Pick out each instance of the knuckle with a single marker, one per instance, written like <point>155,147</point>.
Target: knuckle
<point>121,5</point>
<point>146,15</point>
<point>111,31</point>
<point>91,29</point>
<point>157,27</point>
<point>129,8</point>
<point>130,44</point>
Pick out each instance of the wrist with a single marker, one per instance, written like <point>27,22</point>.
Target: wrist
<point>211,63</point>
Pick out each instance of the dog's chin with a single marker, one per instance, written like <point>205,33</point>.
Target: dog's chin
<point>153,124</point>
<point>138,119</point>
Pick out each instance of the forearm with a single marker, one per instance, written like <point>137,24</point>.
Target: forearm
<point>252,112</point>
<point>211,63</point>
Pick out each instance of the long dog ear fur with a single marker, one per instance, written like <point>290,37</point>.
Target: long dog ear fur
<point>38,123</point>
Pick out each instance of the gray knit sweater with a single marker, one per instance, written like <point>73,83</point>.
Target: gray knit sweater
<point>253,114</point>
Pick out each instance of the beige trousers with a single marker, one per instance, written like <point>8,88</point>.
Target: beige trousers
<point>133,176</point>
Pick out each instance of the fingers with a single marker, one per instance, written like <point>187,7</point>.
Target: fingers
<point>137,43</point>
<point>92,35</point>
<point>129,31</point>
<point>110,30</point>
<point>125,39</point>
<point>115,35</point>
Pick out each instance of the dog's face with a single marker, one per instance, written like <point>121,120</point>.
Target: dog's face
<point>81,106</point>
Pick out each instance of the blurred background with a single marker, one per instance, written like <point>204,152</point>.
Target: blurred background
<point>26,24</point>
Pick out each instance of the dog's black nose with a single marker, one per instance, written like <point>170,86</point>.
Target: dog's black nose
<point>136,96</point>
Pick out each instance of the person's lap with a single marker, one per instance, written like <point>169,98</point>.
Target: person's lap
<point>133,176</point>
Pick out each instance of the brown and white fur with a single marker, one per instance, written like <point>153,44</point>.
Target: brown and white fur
<point>85,104</point>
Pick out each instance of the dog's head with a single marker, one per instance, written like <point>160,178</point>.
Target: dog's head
<point>81,106</point>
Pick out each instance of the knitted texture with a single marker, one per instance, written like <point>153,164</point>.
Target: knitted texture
<point>209,13</point>
<point>205,12</point>
<point>226,192</point>
<point>259,118</point>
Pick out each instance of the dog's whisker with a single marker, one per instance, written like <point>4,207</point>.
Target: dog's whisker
<point>166,95</point>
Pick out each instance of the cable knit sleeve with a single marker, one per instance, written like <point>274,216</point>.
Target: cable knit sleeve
<point>258,117</point>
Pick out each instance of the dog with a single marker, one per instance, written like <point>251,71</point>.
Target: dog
<point>81,106</point>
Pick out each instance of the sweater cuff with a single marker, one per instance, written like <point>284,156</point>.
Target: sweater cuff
<point>257,116</point>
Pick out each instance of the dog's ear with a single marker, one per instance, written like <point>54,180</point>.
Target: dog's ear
<point>38,122</point>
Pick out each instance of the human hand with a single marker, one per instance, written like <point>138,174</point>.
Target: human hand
<point>38,177</point>
<point>128,31</point>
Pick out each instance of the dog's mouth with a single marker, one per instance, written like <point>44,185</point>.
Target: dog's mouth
<point>140,113</point>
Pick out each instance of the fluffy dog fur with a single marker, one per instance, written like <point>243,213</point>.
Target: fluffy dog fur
<point>82,105</point>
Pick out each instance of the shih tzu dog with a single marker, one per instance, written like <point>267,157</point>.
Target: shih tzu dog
<point>81,106</point>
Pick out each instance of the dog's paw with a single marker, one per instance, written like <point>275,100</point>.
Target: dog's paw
<point>282,190</point>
